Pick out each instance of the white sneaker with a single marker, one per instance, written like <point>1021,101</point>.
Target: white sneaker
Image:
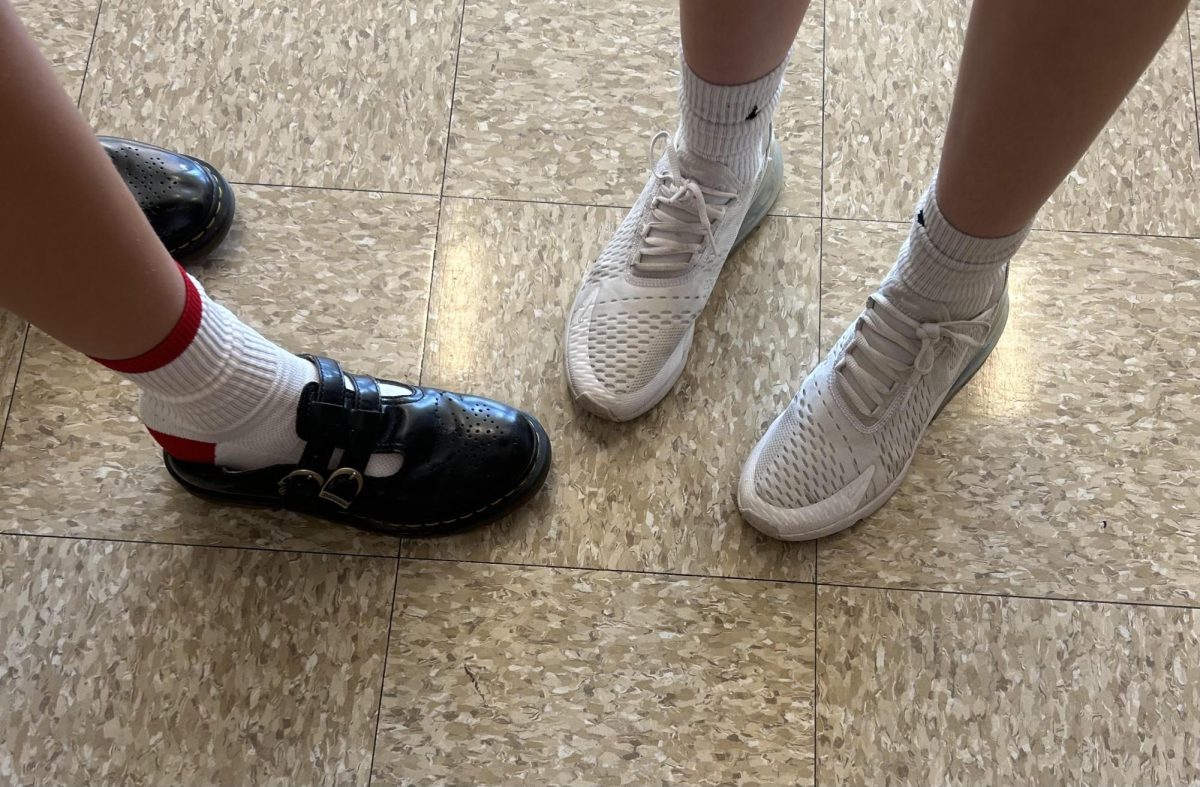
<point>630,328</point>
<point>844,444</point>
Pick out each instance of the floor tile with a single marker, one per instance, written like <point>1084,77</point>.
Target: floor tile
<point>12,340</point>
<point>147,664</point>
<point>887,104</point>
<point>558,101</point>
<point>1067,466</point>
<point>656,493</point>
<point>353,95</point>
<point>63,30</point>
<point>1193,23</point>
<point>500,675</point>
<point>345,273</point>
<point>921,689</point>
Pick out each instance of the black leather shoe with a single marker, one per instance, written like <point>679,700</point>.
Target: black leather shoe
<point>466,460</point>
<point>189,203</point>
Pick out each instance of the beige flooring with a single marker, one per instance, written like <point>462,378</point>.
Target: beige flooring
<point>420,185</point>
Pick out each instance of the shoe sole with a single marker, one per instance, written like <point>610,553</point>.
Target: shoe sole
<point>523,491</point>
<point>877,502</point>
<point>764,199</point>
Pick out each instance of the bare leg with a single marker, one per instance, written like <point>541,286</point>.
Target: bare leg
<point>730,42</point>
<point>1038,82</point>
<point>80,260</point>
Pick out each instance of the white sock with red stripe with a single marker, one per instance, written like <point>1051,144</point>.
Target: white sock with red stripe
<point>215,391</point>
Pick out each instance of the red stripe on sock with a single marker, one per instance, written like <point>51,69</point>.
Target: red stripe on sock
<point>176,341</point>
<point>186,450</point>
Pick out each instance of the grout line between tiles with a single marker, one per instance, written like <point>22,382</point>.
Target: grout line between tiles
<point>560,203</point>
<point>816,684</point>
<point>816,651</point>
<point>1013,596</point>
<point>820,328</point>
<point>1187,23</point>
<point>821,188</point>
<point>462,21</point>
<point>12,394</point>
<point>437,232</point>
<point>87,63</point>
<point>519,201</point>
<point>1036,229</point>
<point>437,235</point>
<point>301,186</point>
<point>1110,233</point>
<point>474,198</point>
<point>643,572</point>
<point>387,646</point>
<point>602,205</point>
<point>244,547</point>
<point>685,575</point>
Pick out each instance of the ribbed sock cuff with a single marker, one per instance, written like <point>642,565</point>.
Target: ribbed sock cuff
<point>730,104</point>
<point>728,123</point>
<point>175,342</point>
<point>941,263</point>
<point>958,245</point>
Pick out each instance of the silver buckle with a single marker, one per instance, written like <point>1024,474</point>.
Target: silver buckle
<point>300,473</point>
<point>342,472</point>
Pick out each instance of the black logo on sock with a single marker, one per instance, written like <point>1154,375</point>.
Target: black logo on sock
<point>753,113</point>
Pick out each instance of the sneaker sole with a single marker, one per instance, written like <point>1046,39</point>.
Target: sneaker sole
<point>877,502</point>
<point>764,199</point>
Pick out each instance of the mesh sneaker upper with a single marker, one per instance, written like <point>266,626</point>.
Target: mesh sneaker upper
<point>818,445</point>
<point>624,326</point>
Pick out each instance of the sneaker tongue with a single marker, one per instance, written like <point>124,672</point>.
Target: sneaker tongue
<point>912,305</point>
<point>916,306</point>
<point>903,351</point>
<point>712,174</point>
<point>684,216</point>
<point>706,173</point>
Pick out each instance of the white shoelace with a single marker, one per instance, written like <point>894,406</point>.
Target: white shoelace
<point>681,216</point>
<point>869,375</point>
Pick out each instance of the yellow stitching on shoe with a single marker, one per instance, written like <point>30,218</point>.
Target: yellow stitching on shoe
<point>480,510</point>
<point>211,222</point>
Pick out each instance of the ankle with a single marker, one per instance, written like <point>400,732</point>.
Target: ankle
<point>728,124</point>
<point>960,245</point>
<point>948,271</point>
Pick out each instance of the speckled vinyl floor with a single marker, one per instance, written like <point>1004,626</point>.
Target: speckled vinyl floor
<point>420,184</point>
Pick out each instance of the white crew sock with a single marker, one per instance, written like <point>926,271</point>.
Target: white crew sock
<point>948,269</point>
<point>728,124</point>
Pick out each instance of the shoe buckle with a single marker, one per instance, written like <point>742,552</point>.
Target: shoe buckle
<point>342,501</point>
<point>293,480</point>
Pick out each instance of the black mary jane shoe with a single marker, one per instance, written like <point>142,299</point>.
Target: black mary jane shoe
<point>465,460</point>
<point>189,204</point>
